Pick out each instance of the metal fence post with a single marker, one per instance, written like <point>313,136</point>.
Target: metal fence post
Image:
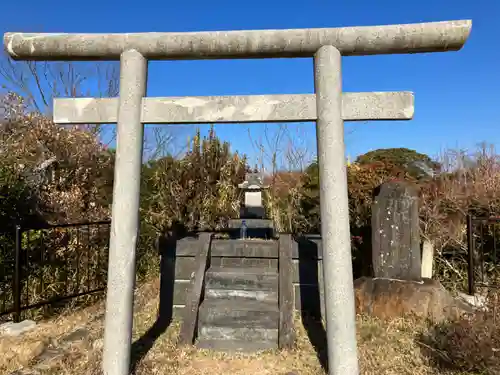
<point>470,251</point>
<point>16,289</point>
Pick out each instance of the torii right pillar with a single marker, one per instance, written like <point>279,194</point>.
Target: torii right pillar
<point>334,206</point>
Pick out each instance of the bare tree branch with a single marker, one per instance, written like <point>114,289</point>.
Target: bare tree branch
<point>40,82</point>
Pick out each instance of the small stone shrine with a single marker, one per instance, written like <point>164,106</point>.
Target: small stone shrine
<point>253,212</point>
<point>252,188</point>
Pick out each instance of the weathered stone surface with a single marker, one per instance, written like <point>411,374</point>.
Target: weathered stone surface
<point>17,329</point>
<point>125,214</point>
<point>356,106</point>
<point>386,299</point>
<point>340,319</point>
<point>396,232</point>
<point>356,41</point>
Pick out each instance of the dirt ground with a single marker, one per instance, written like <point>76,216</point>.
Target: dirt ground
<point>72,344</point>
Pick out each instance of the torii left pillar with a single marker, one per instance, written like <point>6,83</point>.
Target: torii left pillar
<point>124,232</point>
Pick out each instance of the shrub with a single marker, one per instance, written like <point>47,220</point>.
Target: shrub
<point>48,174</point>
<point>470,344</point>
<point>67,169</point>
<point>199,191</point>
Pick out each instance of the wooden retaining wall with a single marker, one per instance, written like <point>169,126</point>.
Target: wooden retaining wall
<point>307,273</point>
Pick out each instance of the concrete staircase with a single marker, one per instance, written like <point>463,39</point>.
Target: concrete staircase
<point>240,310</point>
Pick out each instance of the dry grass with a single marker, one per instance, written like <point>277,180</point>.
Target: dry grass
<point>384,348</point>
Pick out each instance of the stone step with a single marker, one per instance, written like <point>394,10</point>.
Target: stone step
<point>239,313</point>
<point>254,333</point>
<point>236,346</point>
<point>242,278</point>
<point>242,295</point>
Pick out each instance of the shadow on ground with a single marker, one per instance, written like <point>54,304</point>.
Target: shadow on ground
<point>310,296</point>
<point>166,246</point>
<point>310,299</point>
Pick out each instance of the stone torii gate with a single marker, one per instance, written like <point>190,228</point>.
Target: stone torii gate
<point>329,107</point>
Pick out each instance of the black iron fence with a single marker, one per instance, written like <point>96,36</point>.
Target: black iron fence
<point>45,266</point>
<point>483,234</point>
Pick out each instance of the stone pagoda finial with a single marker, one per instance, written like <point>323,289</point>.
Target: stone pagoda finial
<point>252,187</point>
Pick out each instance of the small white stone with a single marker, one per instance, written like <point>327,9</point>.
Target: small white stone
<point>17,329</point>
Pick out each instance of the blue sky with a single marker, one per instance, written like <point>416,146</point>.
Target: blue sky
<point>456,100</point>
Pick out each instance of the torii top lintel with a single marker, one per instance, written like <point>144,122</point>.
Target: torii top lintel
<point>350,41</point>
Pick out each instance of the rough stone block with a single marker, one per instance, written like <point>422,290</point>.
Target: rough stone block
<point>388,299</point>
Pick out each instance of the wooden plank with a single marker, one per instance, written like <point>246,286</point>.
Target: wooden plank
<point>356,106</point>
<point>190,315</point>
<point>188,247</point>
<point>245,248</point>
<point>232,262</point>
<point>286,337</point>
<point>181,290</point>
<point>184,268</point>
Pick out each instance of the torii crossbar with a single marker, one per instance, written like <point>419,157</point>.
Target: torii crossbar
<point>329,107</point>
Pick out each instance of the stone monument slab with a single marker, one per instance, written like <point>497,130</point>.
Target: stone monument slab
<point>396,232</point>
